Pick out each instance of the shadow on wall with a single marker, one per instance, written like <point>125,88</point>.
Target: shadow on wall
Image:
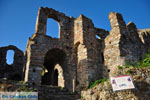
<point>142,90</point>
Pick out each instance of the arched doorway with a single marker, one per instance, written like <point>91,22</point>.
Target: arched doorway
<point>53,68</point>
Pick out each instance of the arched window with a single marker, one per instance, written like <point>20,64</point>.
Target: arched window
<point>52,28</point>
<point>10,57</point>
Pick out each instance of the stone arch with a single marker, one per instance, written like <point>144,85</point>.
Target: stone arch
<point>55,60</point>
<point>60,77</point>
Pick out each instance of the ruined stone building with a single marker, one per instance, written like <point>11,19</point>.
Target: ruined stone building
<point>77,57</point>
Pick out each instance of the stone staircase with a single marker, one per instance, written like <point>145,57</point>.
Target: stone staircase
<point>56,93</point>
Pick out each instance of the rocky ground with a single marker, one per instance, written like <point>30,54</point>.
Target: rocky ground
<point>103,91</point>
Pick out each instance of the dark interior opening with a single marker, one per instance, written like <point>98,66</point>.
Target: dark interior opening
<point>102,55</point>
<point>16,77</point>
<point>53,57</point>
<point>56,77</point>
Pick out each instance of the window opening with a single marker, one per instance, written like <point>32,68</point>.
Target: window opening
<point>10,57</point>
<point>52,28</point>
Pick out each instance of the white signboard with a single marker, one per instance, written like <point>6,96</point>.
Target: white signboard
<point>121,82</point>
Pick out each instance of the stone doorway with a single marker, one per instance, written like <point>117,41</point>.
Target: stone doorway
<point>53,68</point>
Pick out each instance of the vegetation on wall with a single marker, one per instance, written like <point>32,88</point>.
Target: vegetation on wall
<point>145,62</point>
<point>93,84</point>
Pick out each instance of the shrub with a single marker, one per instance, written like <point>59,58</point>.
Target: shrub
<point>120,67</point>
<point>146,60</point>
<point>97,82</point>
<point>25,88</point>
<point>129,72</point>
<point>128,64</point>
<point>140,64</point>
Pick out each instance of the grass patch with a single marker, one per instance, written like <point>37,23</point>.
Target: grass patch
<point>93,84</point>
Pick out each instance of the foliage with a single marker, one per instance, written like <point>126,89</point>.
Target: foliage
<point>25,88</point>
<point>145,61</point>
<point>62,88</point>
<point>21,82</point>
<point>120,67</point>
<point>93,84</point>
<point>128,64</point>
<point>129,72</point>
<point>82,97</point>
<point>140,64</point>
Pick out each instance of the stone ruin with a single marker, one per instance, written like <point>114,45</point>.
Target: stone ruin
<point>77,57</point>
<point>15,70</point>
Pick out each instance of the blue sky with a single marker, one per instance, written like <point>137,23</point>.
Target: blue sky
<point>18,17</point>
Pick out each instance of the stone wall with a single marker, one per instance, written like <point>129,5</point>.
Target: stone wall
<point>144,35</point>
<point>12,71</point>
<point>122,44</point>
